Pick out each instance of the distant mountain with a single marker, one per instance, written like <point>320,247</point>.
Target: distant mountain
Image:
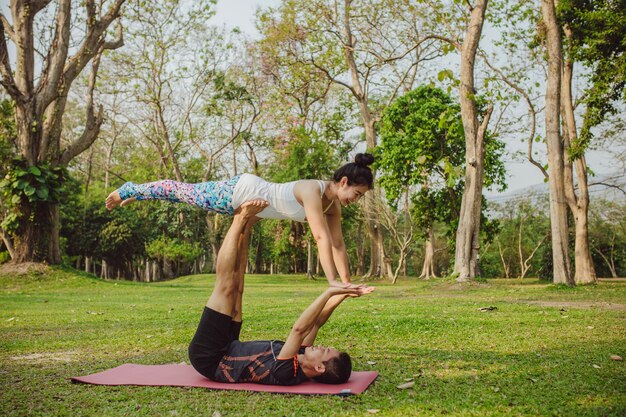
<point>603,187</point>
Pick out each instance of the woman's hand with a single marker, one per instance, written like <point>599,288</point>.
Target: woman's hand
<point>351,290</point>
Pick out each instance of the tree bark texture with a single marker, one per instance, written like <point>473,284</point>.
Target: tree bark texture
<point>558,204</point>
<point>468,233</point>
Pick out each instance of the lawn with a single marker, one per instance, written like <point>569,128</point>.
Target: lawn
<point>544,350</point>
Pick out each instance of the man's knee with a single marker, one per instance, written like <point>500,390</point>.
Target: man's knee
<point>227,287</point>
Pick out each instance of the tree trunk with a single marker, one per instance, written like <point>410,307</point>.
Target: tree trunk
<point>428,269</point>
<point>373,226</point>
<point>37,240</point>
<point>8,244</point>
<point>584,271</point>
<point>558,209</point>
<point>468,233</point>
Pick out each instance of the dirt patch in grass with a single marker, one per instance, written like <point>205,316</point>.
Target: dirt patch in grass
<point>26,268</point>
<point>69,356</point>
<point>579,304</point>
<point>460,286</point>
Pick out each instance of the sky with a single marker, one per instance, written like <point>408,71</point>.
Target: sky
<point>241,13</point>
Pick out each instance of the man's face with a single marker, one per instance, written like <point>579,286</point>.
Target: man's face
<point>320,354</point>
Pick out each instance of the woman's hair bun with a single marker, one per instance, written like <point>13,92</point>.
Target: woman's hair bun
<point>363,159</point>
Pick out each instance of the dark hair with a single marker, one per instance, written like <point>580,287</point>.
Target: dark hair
<point>357,172</point>
<point>338,370</point>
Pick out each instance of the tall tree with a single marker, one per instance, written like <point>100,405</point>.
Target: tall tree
<point>594,36</point>
<point>466,259</point>
<point>558,199</point>
<point>423,145</point>
<point>40,98</point>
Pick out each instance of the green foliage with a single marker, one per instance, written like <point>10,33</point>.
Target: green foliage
<point>304,156</point>
<point>173,250</point>
<point>422,144</point>
<point>421,137</point>
<point>523,225</point>
<point>29,184</point>
<point>598,41</point>
<point>607,237</point>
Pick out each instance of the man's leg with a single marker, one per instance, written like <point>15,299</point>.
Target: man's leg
<point>227,281</point>
<point>244,244</point>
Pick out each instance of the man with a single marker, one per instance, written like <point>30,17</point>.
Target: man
<point>215,350</point>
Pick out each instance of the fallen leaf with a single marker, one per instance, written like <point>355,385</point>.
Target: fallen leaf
<point>149,336</point>
<point>216,414</point>
<point>616,358</point>
<point>408,379</point>
<point>590,327</point>
<point>371,363</point>
<point>533,379</point>
<point>596,366</point>
<point>406,385</point>
<point>564,317</point>
<point>11,319</point>
<point>496,389</point>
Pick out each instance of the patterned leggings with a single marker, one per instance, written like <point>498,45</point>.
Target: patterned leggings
<point>214,196</point>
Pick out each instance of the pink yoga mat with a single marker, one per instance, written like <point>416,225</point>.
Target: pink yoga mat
<point>185,376</point>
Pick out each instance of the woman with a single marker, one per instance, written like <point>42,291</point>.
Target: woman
<point>313,201</point>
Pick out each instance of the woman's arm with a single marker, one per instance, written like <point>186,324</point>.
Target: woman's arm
<point>309,194</point>
<point>340,256</point>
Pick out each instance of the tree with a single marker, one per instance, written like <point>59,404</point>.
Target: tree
<point>471,19</point>
<point>593,34</point>
<point>423,145</point>
<point>558,204</point>
<point>40,100</point>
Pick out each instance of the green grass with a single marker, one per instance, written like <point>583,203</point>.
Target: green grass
<point>534,355</point>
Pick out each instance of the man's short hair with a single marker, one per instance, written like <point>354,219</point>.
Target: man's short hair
<point>338,370</point>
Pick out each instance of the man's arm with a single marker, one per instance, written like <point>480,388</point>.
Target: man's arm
<point>330,306</point>
<point>307,320</point>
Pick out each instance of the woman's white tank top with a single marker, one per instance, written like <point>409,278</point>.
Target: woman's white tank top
<point>282,201</point>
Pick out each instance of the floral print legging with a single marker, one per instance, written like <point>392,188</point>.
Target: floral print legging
<point>214,196</point>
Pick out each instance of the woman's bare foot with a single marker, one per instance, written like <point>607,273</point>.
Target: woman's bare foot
<point>114,200</point>
<point>251,208</point>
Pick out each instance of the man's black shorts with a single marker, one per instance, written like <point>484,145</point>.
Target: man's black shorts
<point>210,343</point>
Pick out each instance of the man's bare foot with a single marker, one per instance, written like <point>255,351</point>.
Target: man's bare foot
<point>114,200</point>
<point>250,208</point>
